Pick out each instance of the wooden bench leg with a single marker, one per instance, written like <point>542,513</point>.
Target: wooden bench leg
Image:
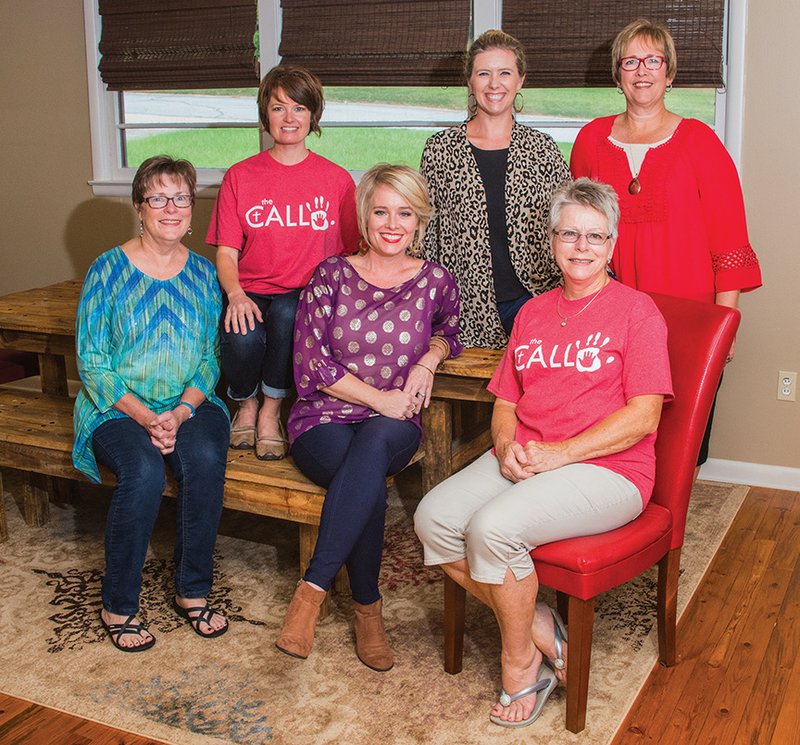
<point>36,503</point>
<point>437,464</point>
<point>3,523</point>
<point>308,540</point>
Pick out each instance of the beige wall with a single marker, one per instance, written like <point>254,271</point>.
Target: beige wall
<point>53,226</point>
<point>752,425</point>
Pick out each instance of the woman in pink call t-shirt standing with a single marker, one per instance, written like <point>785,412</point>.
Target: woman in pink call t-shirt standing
<point>278,214</point>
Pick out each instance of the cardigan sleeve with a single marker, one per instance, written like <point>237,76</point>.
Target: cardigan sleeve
<point>314,366</point>
<point>734,262</point>
<point>430,242</point>
<point>580,160</point>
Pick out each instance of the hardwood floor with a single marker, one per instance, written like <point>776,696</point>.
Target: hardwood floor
<point>738,674</point>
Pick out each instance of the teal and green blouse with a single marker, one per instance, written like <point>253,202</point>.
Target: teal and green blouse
<point>149,337</point>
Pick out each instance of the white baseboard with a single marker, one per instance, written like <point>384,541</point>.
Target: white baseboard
<point>754,474</point>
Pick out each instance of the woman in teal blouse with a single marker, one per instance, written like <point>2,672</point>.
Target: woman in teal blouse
<point>147,351</point>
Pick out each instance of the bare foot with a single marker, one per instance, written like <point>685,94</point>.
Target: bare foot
<point>543,635</point>
<point>515,677</point>
<point>246,413</point>
<point>204,627</point>
<point>128,640</point>
<point>268,418</point>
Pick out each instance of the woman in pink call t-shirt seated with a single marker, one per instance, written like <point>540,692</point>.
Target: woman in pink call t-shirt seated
<point>278,214</point>
<point>579,394</point>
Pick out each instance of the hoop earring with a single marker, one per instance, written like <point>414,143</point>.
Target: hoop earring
<point>472,104</point>
<point>619,89</point>
<point>668,88</point>
<point>189,231</point>
<point>141,228</point>
<point>363,246</point>
<point>518,107</point>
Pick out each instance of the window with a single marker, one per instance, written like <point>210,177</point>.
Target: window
<point>361,125</point>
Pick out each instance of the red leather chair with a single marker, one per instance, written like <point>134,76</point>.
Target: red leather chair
<point>579,569</point>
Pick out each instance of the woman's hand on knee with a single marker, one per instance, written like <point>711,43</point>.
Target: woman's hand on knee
<point>546,456</point>
<point>396,404</point>
<point>513,461</point>
<point>241,313</point>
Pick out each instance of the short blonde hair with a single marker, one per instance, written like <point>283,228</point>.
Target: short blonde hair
<point>655,32</point>
<point>408,184</point>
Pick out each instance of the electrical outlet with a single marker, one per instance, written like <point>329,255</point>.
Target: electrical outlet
<point>787,386</point>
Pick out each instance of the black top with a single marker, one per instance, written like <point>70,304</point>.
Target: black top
<point>492,167</point>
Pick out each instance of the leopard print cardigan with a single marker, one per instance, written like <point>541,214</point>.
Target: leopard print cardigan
<point>458,235</point>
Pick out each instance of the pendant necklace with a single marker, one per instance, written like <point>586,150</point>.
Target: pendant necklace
<point>636,154</point>
<point>564,319</point>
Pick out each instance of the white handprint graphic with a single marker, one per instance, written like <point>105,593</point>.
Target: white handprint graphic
<point>319,213</point>
<point>588,358</point>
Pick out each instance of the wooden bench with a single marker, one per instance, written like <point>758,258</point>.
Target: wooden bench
<point>36,438</point>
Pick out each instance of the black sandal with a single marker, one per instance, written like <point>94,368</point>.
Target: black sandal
<point>204,614</point>
<point>116,630</point>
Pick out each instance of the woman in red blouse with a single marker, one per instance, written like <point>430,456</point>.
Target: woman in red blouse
<point>683,230</point>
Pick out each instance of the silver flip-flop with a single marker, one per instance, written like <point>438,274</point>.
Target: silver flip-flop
<point>560,636</point>
<point>545,684</point>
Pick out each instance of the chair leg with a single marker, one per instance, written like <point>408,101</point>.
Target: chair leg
<point>454,608</point>
<point>562,605</point>
<point>581,622</point>
<point>668,573</point>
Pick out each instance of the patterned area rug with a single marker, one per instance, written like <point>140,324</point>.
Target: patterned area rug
<point>239,690</point>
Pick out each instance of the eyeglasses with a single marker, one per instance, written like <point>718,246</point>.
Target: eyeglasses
<point>158,202</point>
<point>631,64</point>
<point>573,236</point>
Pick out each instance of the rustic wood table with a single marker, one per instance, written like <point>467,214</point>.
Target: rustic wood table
<point>456,424</point>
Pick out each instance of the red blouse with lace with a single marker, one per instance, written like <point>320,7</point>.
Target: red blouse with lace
<point>685,232</point>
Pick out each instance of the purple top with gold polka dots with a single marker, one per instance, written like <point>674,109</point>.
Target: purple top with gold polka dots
<point>345,324</point>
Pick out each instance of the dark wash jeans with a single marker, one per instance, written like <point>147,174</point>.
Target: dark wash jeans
<point>198,464</point>
<point>352,461</point>
<point>261,357</point>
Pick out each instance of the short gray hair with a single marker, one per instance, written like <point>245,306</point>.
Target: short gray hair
<point>585,192</point>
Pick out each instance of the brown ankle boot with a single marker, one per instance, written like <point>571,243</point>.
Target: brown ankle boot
<point>372,646</point>
<point>297,634</point>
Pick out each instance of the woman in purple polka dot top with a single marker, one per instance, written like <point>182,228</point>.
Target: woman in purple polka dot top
<point>370,331</point>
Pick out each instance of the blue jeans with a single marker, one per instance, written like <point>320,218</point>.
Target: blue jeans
<point>262,356</point>
<point>198,464</point>
<point>352,461</point>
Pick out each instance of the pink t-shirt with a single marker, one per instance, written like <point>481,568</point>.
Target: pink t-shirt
<point>284,219</point>
<point>564,379</point>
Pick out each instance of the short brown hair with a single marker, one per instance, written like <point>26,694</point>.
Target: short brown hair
<point>658,33</point>
<point>495,39</point>
<point>407,183</point>
<point>297,83</point>
<point>154,169</point>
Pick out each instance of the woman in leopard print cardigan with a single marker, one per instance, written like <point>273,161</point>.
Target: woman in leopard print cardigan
<point>491,180</point>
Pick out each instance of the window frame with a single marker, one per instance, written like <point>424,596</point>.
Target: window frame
<point>111,179</point>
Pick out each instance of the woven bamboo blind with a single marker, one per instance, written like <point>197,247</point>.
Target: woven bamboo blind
<point>568,42</point>
<point>179,44</point>
<point>377,42</point>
